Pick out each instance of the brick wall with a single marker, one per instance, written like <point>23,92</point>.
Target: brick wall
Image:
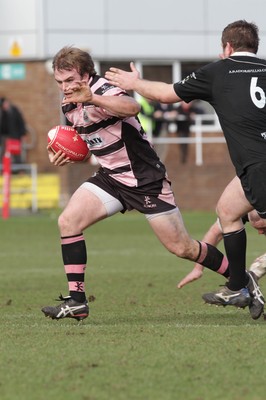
<point>199,187</point>
<point>38,99</point>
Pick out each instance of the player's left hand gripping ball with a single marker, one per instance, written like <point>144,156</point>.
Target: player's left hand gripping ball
<point>67,139</point>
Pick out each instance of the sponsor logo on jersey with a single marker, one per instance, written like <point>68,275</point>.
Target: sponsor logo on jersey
<point>148,203</point>
<point>94,140</point>
<point>105,87</point>
<point>85,115</point>
<point>191,76</point>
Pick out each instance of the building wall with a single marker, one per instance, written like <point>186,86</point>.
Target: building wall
<point>118,29</point>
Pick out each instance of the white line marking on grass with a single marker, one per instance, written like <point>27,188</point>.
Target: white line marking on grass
<point>216,326</point>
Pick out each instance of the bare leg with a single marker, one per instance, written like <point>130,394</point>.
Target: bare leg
<point>172,233</point>
<point>83,210</point>
<point>170,230</point>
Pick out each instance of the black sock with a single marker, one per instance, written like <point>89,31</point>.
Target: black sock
<point>235,244</point>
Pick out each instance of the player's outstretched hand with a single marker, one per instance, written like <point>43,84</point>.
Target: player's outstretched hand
<point>125,80</point>
<point>77,92</point>
<point>195,274</point>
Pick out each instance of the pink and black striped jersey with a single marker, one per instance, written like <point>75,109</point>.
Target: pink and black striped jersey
<point>119,144</point>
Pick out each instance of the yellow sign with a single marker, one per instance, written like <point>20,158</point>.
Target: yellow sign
<point>15,49</point>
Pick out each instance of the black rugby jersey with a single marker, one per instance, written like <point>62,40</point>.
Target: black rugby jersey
<point>236,88</point>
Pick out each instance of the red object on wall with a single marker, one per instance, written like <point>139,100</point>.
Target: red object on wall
<point>6,184</point>
<point>13,146</point>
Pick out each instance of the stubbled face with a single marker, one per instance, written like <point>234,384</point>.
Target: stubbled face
<point>67,80</point>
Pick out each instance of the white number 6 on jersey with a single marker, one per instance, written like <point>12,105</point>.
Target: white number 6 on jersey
<point>257,91</point>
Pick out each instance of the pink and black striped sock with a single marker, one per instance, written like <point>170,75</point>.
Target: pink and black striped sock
<point>75,258</point>
<point>210,257</point>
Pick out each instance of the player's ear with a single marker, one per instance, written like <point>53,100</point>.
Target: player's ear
<point>228,50</point>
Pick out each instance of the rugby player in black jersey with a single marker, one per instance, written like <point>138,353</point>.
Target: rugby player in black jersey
<point>235,86</point>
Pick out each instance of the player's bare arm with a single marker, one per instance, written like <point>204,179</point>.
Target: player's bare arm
<point>192,276</point>
<point>213,236</point>
<point>159,91</point>
<point>257,222</point>
<point>122,106</point>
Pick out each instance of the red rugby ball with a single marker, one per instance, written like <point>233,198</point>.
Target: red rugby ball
<point>67,139</point>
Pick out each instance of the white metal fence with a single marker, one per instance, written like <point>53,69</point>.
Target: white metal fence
<point>204,123</point>
<point>31,170</point>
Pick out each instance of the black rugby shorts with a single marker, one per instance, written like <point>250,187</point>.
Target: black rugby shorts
<point>254,184</point>
<point>156,197</point>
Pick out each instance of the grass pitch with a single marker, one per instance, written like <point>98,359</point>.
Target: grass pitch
<point>144,340</point>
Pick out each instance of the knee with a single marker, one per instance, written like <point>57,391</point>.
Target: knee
<point>63,222</point>
<point>223,213</point>
<point>70,224</point>
<point>219,210</point>
<point>187,250</point>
